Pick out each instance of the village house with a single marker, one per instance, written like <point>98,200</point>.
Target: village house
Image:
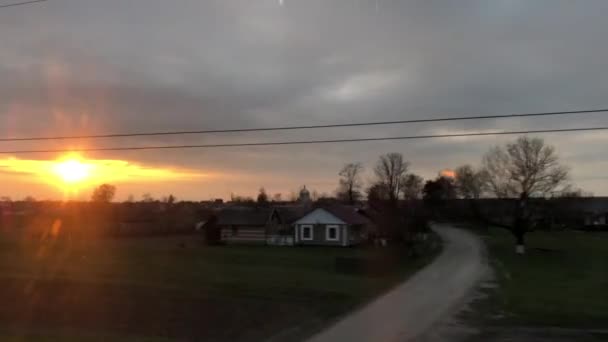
<point>246,224</point>
<point>332,225</point>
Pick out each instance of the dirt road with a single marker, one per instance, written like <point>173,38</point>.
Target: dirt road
<point>413,307</point>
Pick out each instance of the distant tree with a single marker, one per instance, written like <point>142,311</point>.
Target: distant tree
<point>30,203</point>
<point>130,199</point>
<point>573,193</point>
<point>412,186</point>
<point>103,193</point>
<point>170,200</point>
<point>278,197</point>
<point>5,199</point>
<point>390,170</point>
<point>314,195</point>
<point>378,196</point>
<point>147,198</point>
<point>325,196</point>
<point>439,190</point>
<point>469,182</point>
<point>241,199</point>
<point>350,183</point>
<point>262,196</point>
<point>519,170</point>
<point>378,191</point>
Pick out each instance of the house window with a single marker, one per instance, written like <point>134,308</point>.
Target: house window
<point>307,232</point>
<point>331,233</point>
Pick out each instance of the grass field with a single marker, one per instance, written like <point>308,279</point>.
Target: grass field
<point>562,281</point>
<point>163,289</point>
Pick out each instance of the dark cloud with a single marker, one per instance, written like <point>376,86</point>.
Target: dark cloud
<point>147,65</point>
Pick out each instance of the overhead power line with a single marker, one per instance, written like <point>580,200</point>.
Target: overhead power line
<point>304,142</point>
<point>284,128</point>
<point>22,3</point>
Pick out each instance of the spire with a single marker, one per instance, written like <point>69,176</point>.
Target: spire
<point>304,195</point>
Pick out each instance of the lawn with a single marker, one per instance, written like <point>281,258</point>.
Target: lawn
<point>562,281</point>
<point>165,289</point>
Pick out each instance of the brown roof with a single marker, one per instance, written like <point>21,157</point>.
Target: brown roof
<point>348,214</point>
<point>244,216</point>
<point>291,213</point>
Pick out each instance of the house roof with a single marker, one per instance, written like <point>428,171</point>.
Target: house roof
<point>292,213</point>
<point>249,216</point>
<point>346,214</point>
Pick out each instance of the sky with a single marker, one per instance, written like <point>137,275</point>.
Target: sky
<point>111,66</point>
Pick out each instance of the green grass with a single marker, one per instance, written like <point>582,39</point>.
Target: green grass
<point>176,288</point>
<point>562,281</point>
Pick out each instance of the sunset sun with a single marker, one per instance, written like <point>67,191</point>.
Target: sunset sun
<point>72,171</point>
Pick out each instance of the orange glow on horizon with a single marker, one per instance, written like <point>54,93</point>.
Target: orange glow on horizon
<point>448,173</point>
<point>73,172</point>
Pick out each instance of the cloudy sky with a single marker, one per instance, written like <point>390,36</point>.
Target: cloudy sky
<point>111,66</point>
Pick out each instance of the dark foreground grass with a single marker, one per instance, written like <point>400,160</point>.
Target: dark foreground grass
<point>162,289</point>
<point>562,281</point>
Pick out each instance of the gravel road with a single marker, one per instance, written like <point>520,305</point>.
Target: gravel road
<point>412,308</point>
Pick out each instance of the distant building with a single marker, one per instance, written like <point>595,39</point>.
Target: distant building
<point>332,225</point>
<point>304,196</point>
<point>246,224</point>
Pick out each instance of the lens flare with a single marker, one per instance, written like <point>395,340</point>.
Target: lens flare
<point>72,171</point>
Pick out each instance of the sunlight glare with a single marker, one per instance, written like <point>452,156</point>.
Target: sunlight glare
<point>72,171</point>
<point>76,173</point>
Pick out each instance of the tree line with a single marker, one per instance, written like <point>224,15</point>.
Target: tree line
<point>521,170</point>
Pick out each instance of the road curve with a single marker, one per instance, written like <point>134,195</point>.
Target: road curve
<point>412,308</point>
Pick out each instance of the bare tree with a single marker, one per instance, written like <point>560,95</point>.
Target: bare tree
<point>520,170</point>
<point>262,196</point>
<point>278,197</point>
<point>412,186</point>
<point>390,170</point>
<point>469,182</point>
<point>350,182</point>
<point>103,193</point>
